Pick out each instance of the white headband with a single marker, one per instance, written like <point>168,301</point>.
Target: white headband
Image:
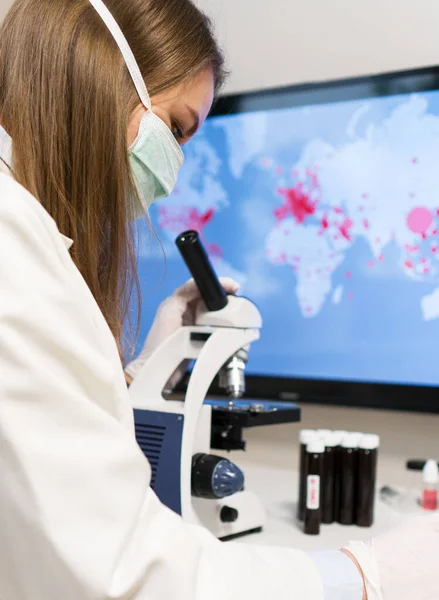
<point>125,50</point>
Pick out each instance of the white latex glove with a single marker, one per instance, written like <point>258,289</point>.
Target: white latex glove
<point>173,313</point>
<point>402,564</point>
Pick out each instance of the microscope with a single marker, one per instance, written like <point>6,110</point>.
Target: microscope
<point>177,435</point>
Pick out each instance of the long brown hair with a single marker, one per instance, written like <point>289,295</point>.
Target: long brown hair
<point>66,98</point>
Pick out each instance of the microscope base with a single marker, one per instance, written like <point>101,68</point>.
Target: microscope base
<point>232,516</point>
<point>230,538</point>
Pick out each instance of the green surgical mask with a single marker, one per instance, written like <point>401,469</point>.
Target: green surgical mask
<point>155,159</point>
<point>155,156</point>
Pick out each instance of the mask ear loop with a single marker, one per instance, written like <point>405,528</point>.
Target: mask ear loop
<point>130,62</point>
<point>125,50</point>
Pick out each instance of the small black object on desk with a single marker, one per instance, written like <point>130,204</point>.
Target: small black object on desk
<point>416,464</point>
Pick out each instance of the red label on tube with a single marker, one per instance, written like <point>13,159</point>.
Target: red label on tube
<point>313,492</point>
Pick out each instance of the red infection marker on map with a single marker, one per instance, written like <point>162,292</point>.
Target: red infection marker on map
<point>189,218</point>
<point>344,229</point>
<point>419,220</point>
<point>297,203</point>
<point>300,201</point>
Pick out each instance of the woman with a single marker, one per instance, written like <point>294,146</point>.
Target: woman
<point>85,150</point>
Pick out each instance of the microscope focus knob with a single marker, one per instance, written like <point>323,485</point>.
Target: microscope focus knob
<point>228,514</point>
<point>215,477</point>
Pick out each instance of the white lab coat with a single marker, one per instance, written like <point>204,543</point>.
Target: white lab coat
<point>78,519</point>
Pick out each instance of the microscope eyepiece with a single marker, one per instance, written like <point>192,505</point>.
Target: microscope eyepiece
<point>200,267</point>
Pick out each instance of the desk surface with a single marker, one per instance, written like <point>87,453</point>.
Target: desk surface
<point>270,466</point>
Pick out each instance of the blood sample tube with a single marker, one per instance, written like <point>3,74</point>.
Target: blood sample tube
<point>358,436</point>
<point>348,467</point>
<point>314,472</point>
<point>305,437</point>
<point>366,479</point>
<point>330,441</point>
<point>322,433</point>
<point>339,434</point>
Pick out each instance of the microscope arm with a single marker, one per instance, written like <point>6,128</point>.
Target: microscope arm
<point>146,390</point>
<point>222,344</point>
<point>239,322</point>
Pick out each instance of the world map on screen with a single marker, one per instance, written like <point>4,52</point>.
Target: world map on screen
<point>328,216</point>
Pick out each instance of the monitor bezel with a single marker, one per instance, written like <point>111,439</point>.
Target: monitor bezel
<point>337,392</point>
<point>326,92</point>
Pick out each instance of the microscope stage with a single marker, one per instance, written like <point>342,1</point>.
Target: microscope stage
<point>229,419</point>
<point>252,413</point>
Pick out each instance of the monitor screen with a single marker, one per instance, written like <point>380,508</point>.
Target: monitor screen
<point>323,203</point>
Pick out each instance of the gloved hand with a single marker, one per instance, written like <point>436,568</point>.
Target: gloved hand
<point>403,563</point>
<point>173,313</point>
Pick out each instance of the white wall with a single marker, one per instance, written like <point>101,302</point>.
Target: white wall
<point>277,42</point>
<point>4,6</point>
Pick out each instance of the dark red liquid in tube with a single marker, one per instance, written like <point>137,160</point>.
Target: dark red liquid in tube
<point>305,436</point>
<point>366,479</point>
<point>314,473</point>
